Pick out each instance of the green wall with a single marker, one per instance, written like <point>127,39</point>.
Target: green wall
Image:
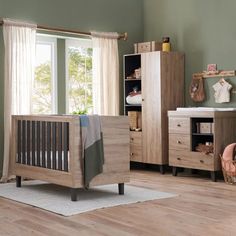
<point>83,15</point>
<point>203,29</point>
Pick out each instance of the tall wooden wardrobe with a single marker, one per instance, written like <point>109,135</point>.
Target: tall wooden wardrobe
<point>162,88</point>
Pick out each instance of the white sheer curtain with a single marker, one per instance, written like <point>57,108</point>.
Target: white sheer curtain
<point>19,41</point>
<point>105,73</point>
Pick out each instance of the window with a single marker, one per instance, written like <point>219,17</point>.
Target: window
<point>79,76</point>
<point>44,87</point>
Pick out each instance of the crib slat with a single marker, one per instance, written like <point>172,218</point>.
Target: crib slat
<point>49,145</point>
<point>54,137</point>
<point>33,142</point>
<point>66,143</point>
<point>38,144</point>
<point>23,142</point>
<point>43,144</point>
<point>19,141</point>
<point>28,142</point>
<point>59,128</point>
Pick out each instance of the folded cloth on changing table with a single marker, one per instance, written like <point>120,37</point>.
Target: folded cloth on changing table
<point>92,147</point>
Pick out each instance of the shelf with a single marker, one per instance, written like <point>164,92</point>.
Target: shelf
<point>202,134</point>
<point>133,79</point>
<point>135,105</point>
<point>222,73</point>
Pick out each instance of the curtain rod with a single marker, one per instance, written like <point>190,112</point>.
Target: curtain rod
<point>123,36</point>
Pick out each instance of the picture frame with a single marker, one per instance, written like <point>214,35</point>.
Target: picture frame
<point>211,67</point>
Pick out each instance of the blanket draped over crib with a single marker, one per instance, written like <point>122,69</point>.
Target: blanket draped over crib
<point>92,147</point>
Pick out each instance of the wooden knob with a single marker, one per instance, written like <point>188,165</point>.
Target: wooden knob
<point>179,125</point>
<point>131,154</point>
<point>132,139</point>
<point>143,99</point>
<point>179,142</point>
<point>201,161</point>
<point>178,158</point>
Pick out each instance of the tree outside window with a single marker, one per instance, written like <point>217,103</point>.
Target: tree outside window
<point>79,70</point>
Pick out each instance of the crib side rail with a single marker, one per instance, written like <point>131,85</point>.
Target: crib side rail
<point>45,146</point>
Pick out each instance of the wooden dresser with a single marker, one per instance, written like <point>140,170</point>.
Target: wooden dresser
<point>189,130</point>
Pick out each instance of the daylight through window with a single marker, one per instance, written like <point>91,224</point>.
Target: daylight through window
<point>79,76</point>
<point>44,89</point>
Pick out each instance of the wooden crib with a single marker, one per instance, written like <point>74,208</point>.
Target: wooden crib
<point>48,148</point>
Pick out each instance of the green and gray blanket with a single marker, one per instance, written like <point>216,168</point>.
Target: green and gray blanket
<point>92,147</point>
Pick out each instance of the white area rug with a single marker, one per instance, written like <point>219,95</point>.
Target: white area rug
<point>56,198</point>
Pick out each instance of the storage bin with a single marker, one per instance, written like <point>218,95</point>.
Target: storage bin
<point>147,47</point>
<point>228,163</point>
<point>135,120</point>
<point>229,176</point>
<point>206,128</point>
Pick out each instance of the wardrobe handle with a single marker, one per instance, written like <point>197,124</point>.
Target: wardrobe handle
<point>201,161</point>
<point>131,139</point>
<point>179,125</point>
<point>131,154</point>
<point>143,99</point>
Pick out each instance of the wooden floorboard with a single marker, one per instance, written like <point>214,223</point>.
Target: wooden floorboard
<point>201,207</point>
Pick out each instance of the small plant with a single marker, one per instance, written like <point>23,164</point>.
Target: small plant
<point>80,112</point>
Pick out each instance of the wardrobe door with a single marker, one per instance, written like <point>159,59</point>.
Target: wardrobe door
<point>151,107</point>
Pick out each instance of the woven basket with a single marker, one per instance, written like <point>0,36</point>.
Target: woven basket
<point>135,120</point>
<point>229,176</point>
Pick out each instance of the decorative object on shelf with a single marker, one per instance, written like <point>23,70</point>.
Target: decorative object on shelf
<point>222,91</point>
<point>211,67</point>
<point>147,47</point>
<point>196,89</point>
<point>135,120</point>
<point>228,162</point>
<point>166,44</point>
<point>131,76</point>
<point>137,73</point>
<point>134,97</point>
<point>206,148</point>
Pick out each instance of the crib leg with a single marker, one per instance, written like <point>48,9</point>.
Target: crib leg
<point>73,192</point>
<point>18,181</point>
<point>121,188</point>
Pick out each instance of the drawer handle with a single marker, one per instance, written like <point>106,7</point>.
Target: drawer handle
<point>131,154</point>
<point>179,142</point>
<point>179,125</point>
<point>131,139</point>
<point>201,161</point>
<point>179,159</point>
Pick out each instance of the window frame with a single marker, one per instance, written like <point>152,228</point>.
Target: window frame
<point>44,39</point>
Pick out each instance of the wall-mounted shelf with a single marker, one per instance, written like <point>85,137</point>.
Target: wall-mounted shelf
<point>222,73</point>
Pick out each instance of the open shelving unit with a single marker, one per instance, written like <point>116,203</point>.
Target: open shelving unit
<point>162,88</point>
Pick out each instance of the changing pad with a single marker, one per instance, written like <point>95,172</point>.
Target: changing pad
<point>205,109</point>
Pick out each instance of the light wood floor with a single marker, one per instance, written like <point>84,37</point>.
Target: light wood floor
<point>201,208</point>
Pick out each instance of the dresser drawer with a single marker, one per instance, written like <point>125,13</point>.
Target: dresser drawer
<point>136,138</point>
<point>135,153</point>
<point>179,125</point>
<point>179,142</point>
<point>193,160</point>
